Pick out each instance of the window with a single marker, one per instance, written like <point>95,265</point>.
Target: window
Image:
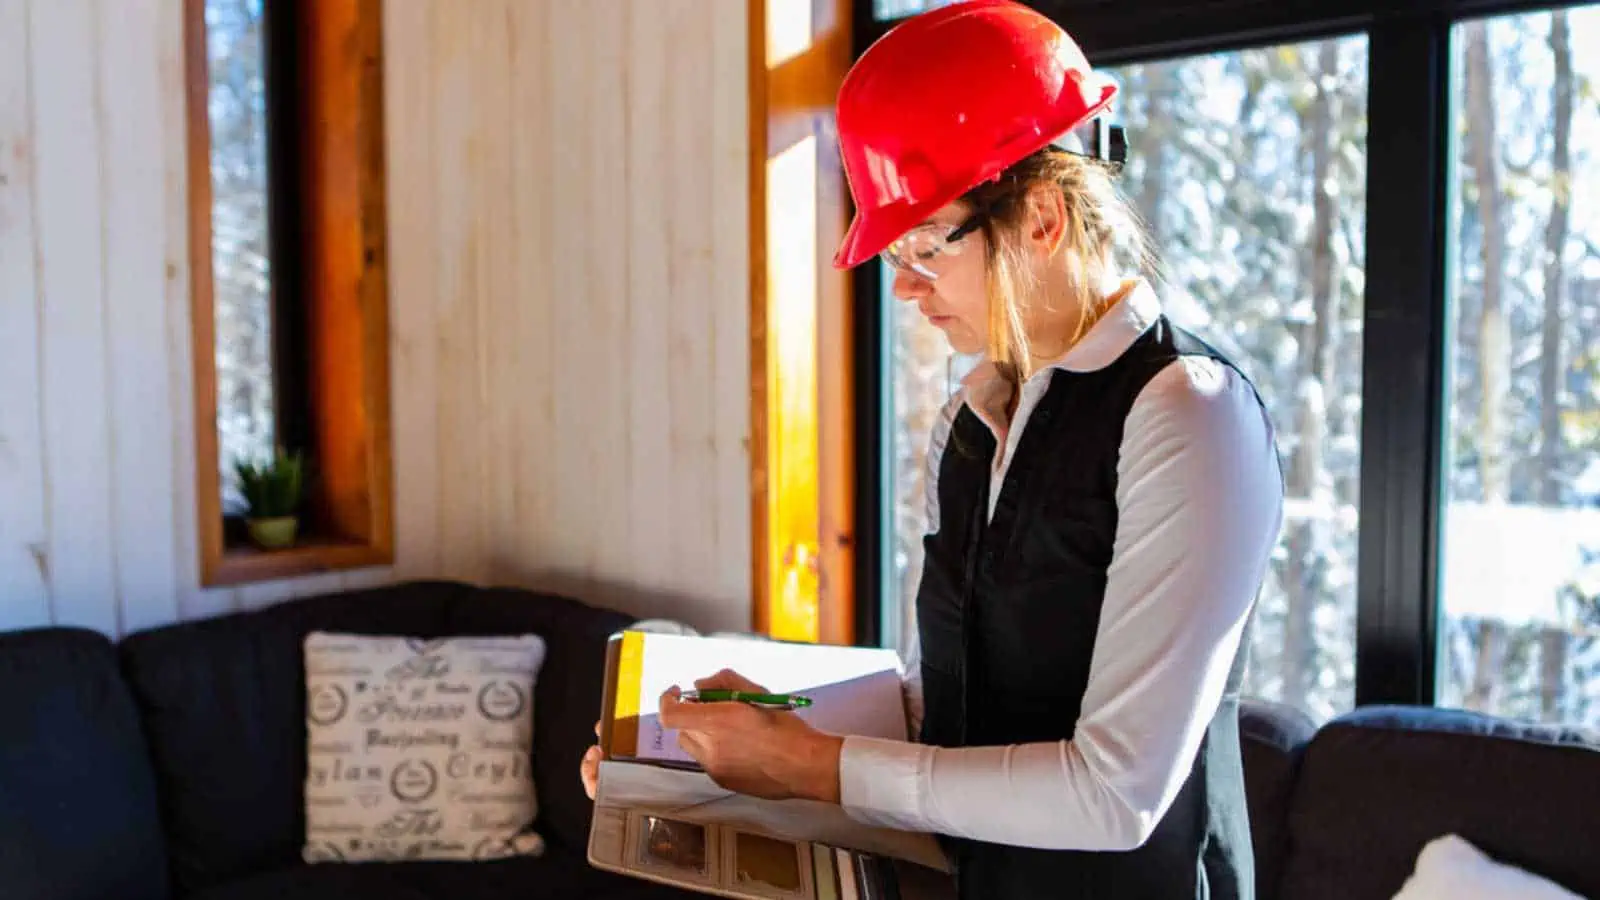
<point>1520,598</point>
<point>802,513</point>
<point>894,9</point>
<point>923,373</point>
<point>1373,210</point>
<point>1249,169</point>
<point>240,212</point>
<point>288,299</point>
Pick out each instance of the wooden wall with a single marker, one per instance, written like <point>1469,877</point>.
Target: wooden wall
<point>570,274</point>
<point>569,296</point>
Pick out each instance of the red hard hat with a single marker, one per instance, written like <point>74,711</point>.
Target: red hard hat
<point>947,100</point>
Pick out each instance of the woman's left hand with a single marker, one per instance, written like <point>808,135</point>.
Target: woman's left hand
<point>761,752</point>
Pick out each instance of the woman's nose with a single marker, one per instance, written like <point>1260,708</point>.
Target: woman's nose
<point>909,285</point>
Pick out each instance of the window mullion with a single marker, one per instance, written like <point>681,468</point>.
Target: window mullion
<point>1404,332</point>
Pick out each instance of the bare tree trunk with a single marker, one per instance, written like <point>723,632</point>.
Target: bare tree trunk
<point>1484,694</point>
<point>1159,85</point>
<point>1555,274</point>
<point>1494,352</point>
<point>1304,573</point>
<point>1553,673</point>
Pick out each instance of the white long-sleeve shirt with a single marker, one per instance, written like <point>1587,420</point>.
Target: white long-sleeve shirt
<point>1199,500</point>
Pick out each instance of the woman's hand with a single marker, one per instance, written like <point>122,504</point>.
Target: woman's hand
<point>760,752</point>
<point>589,769</point>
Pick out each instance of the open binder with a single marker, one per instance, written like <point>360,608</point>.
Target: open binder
<point>659,817</point>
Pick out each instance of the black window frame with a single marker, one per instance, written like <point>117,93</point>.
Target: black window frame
<point>1406,298</point>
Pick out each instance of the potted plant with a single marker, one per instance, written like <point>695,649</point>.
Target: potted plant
<point>272,493</point>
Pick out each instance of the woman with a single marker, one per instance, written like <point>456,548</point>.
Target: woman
<point>1103,498</point>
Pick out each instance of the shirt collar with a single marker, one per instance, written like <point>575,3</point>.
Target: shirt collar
<point>1110,337</point>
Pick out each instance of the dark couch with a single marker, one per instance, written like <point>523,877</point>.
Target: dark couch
<point>172,765</point>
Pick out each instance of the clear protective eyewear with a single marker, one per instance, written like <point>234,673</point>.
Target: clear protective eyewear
<point>923,249</point>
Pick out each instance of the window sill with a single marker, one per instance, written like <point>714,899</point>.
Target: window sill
<point>310,556</point>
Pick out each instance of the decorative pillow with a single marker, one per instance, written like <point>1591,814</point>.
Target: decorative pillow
<point>420,749</point>
<point>1450,868</point>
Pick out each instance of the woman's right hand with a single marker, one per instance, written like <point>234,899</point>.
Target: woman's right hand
<point>589,769</point>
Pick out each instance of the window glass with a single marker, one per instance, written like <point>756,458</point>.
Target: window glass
<point>897,9</point>
<point>923,374</point>
<point>241,272</point>
<point>1249,169</point>
<point>1519,621</point>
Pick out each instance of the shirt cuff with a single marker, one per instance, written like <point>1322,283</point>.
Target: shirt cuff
<point>880,782</point>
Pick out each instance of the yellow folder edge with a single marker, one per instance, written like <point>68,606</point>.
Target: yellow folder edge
<point>625,712</point>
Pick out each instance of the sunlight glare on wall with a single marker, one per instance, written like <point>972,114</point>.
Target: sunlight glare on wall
<point>792,451</point>
<point>788,30</point>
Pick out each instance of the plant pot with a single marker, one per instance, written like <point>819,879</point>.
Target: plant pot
<point>274,533</point>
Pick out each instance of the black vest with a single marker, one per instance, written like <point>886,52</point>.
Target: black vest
<point>1007,612</point>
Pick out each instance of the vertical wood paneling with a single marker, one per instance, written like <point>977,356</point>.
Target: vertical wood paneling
<point>458,168</point>
<point>569,469</point>
<point>24,534</point>
<point>499,303</point>
<point>569,291</point>
<point>687,152</point>
<point>531,313</point>
<point>132,151</point>
<point>730,300</point>
<point>609,370</point>
<point>654,264</point>
<point>409,114</point>
<point>68,112</point>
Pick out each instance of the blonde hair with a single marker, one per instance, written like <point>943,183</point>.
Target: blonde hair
<point>1103,235</point>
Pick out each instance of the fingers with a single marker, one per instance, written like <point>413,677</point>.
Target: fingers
<point>589,770</point>
<point>728,680</point>
<point>677,714</point>
<point>696,745</point>
<point>596,727</point>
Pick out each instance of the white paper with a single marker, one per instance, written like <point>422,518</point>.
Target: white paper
<point>854,690</point>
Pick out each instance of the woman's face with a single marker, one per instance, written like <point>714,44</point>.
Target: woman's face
<point>949,281</point>
<point>956,301</point>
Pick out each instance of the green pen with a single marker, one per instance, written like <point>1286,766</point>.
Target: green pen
<point>781,701</point>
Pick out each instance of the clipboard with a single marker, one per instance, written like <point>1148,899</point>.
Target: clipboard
<point>858,690</point>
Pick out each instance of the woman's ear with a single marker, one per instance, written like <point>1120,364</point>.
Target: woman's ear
<point>1045,219</point>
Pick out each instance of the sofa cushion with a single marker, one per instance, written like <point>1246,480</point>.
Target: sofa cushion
<point>1378,784</point>
<point>559,875</point>
<point>1272,737</point>
<point>224,704</point>
<point>1452,869</point>
<point>78,812</point>
<point>420,749</point>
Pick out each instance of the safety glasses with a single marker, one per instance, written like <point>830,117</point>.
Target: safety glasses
<point>925,249</point>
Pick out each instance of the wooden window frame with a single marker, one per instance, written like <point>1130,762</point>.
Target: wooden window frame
<point>812,505</point>
<point>338,395</point>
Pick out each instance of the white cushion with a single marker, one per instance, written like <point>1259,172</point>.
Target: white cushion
<point>419,749</point>
<point>664,626</point>
<point>1450,868</point>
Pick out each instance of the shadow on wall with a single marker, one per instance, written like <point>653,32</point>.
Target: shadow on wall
<point>702,613</point>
